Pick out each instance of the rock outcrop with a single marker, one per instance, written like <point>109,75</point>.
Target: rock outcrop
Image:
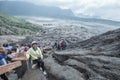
<point>108,42</point>
<point>34,75</point>
<point>61,72</point>
<point>93,59</point>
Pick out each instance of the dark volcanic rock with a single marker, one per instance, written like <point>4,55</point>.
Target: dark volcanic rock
<point>103,65</point>
<point>94,59</point>
<point>88,73</point>
<point>34,75</point>
<point>91,67</point>
<point>61,72</point>
<point>109,42</point>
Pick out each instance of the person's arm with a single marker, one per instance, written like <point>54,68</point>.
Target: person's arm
<point>40,53</point>
<point>27,54</point>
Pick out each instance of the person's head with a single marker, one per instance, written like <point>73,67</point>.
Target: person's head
<point>34,44</point>
<point>13,50</point>
<point>17,45</point>
<point>2,50</point>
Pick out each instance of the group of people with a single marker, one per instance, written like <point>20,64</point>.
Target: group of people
<point>33,52</point>
<point>9,52</point>
<point>60,45</point>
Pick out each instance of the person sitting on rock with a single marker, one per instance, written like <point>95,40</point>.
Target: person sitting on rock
<point>36,55</point>
<point>58,46</point>
<point>55,44</point>
<point>63,44</point>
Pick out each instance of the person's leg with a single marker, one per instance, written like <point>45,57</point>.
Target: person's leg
<point>63,47</point>
<point>18,71</point>
<point>35,63</point>
<point>4,77</point>
<point>41,64</point>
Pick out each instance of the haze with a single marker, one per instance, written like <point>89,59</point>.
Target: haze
<point>106,9</point>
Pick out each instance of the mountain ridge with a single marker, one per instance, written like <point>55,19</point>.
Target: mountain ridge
<point>26,8</point>
<point>20,8</point>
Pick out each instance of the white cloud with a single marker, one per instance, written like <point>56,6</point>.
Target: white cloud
<point>109,9</point>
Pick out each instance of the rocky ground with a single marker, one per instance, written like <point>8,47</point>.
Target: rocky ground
<point>108,42</point>
<point>82,66</point>
<point>97,58</point>
<point>34,75</point>
<point>70,30</point>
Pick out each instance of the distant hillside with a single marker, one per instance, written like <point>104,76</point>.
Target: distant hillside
<point>11,25</point>
<point>29,9</point>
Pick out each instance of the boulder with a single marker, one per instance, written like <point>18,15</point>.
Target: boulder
<point>62,72</point>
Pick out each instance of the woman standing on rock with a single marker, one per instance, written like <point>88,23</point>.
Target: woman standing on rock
<point>36,55</point>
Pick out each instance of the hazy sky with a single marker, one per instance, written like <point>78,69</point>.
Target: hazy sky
<point>109,9</point>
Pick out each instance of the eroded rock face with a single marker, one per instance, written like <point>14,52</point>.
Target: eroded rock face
<point>98,61</point>
<point>62,72</point>
<point>34,75</point>
<point>108,42</point>
<point>80,66</point>
<point>85,70</point>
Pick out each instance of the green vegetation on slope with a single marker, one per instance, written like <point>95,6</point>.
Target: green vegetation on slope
<point>13,26</point>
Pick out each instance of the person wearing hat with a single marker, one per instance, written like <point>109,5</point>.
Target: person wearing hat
<point>36,55</point>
